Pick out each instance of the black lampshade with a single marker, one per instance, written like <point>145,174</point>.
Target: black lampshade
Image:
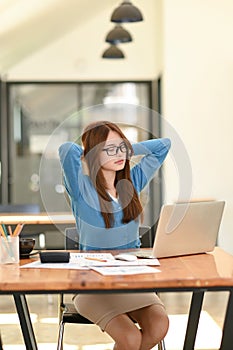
<point>113,52</point>
<point>118,35</point>
<point>126,12</point>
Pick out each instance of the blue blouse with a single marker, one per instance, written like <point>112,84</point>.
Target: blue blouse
<point>93,235</point>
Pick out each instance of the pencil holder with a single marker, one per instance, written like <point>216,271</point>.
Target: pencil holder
<point>9,250</point>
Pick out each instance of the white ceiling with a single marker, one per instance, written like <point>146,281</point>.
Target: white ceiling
<point>64,40</point>
<point>30,25</point>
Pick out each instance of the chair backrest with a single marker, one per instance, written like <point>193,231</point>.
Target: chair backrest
<point>145,235</point>
<point>19,208</point>
<point>72,237</point>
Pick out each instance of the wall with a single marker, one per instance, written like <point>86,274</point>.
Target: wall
<point>197,98</point>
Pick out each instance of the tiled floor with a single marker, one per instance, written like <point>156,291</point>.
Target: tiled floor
<point>43,310</point>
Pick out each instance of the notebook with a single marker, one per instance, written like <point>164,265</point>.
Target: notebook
<point>186,228</point>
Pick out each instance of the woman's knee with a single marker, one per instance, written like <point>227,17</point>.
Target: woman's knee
<point>158,330</point>
<point>128,341</point>
<point>164,325</point>
<point>132,340</point>
<point>125,333</point>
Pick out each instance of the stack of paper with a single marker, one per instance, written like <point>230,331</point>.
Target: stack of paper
<point>90,260</point>
<point>124,270</point>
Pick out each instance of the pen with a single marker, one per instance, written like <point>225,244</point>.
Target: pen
<point>2,231</point>
<point>18,229</point>
<point>10,230</point>
<point>6,241</point>
<point>95,259</point>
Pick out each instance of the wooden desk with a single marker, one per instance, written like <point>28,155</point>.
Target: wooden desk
<point>196,273</point>
<point>39,222</point>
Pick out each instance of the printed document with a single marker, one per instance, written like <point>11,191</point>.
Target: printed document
<point>88,260</point>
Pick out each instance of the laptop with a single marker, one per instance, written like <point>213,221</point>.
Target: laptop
<point>186,228</point>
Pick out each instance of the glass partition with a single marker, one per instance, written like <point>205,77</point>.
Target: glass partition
<point>44,115</point>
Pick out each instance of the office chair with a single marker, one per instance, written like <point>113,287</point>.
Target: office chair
<point>67,311</point>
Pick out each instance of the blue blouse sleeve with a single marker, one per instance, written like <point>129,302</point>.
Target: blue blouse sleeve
<point>153,154</point>
<point>70,157</point>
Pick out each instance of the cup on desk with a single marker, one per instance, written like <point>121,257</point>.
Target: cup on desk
<point>26,246</point>
<point>9,250</point>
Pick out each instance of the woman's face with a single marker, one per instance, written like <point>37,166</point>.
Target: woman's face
<point>114,152</point>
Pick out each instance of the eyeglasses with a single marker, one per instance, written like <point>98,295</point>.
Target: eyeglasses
<point>113,150</point>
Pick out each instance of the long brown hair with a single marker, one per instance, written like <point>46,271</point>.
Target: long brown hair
<point>93,139</point>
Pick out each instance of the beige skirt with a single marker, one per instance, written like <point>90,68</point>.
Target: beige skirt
<point>101,308</point>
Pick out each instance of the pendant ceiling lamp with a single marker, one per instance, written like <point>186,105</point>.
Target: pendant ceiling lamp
<point>126,12</point>
<point>113,52</point>
<point>118,35</point>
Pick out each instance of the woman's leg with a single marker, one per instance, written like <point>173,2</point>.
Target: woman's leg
<point>124,332</point>
<point>154,322</point>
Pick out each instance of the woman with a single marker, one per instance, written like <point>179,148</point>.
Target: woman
<point>105,202</point>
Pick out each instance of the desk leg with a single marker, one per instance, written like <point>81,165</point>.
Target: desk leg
<point>25,321</point>
<point>227,334</point>
<point>193,320</point>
